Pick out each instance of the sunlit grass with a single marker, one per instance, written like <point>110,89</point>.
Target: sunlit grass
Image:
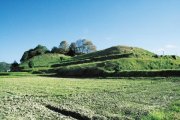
<point>145,98</point>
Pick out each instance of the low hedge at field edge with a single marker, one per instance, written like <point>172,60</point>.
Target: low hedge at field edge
<point>97,72</point>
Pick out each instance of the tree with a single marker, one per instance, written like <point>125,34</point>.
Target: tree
<point>38,50</point>
<point>15,67</point>
<point>25,56</point>
<point>85,46</point>
<point>31,64</point>
<point>89,47</point>
<point>64,47</point>
<point>54,50</point>
<point>72,49</point>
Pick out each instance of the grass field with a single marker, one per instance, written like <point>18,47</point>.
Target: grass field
<point>68,98</point>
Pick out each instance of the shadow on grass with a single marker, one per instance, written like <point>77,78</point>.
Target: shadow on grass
<point>69,113</point>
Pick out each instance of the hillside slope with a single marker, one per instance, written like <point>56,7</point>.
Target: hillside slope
<point>111,53</point>
<point>115,50</point>
<point>45,60</point>
<point>111,60</point>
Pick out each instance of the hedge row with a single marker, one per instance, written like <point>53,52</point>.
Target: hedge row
<point>4,74</point>
<point>159,73</point>
<point>96,72</point>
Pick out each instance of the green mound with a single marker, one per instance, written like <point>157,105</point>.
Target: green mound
<point>112,53</point>
<point>111,67</point>
<point>106,62</point>
<point>118,50</point>
<point>45,60</point>
<point>116,59</point>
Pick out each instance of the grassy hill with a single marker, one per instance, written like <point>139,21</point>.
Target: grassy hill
<point>139,52</point>
<point>107,68</point>
<point>115,52</point>
<point>45,60</point>
<point>111,60</point>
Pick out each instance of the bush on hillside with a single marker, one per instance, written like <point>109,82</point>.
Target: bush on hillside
<point>15,67</point>
<point>174,57</point>
<point>31,64</point>
<point>157,73</point>
<point>39,50</point>
<point>82,72</point>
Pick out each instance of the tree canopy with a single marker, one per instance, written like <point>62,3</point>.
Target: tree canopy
<point>85,46</point>
<point>81,46</point>
<point>15,67</point>
<point>38,50</point>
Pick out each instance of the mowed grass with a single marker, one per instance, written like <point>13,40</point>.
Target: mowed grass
<point>140,98</point>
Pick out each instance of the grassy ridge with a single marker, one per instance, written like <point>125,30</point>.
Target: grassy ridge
<point>108,68</point>
<point>107,54</point>
<point>118,58</point>
<point>118,50</point>
<point>25,98</point>
<point>45,60</point>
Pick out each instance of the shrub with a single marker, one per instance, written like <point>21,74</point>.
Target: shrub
<point>31,64</point>
<point>174,57</point>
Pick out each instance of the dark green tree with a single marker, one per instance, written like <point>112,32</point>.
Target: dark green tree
<point>64,47</point>
<point>72,49</point>
<point>38,50</point>
<point>31,64</point>
<point>15,67</point>
<point>54,50</point>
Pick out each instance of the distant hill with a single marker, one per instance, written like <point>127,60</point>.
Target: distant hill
<point>4,66</point>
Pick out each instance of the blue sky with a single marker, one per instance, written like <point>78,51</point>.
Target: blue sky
<point>151,24</point>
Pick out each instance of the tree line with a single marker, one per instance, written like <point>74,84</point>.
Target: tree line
<point>81,46</point>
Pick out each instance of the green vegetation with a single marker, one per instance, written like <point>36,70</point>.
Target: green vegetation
<point>81,46</point>
<point>112,99</point>
<point>4,67</point>
<point>15,74</point>
<point>45,60</point>
<point>124,64</point>
<point>39,50</point>
<point>138,52</point>
<point>104,63</point>
<point>171,112</point>
<point>26,96</point>
<point>15,67</point>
